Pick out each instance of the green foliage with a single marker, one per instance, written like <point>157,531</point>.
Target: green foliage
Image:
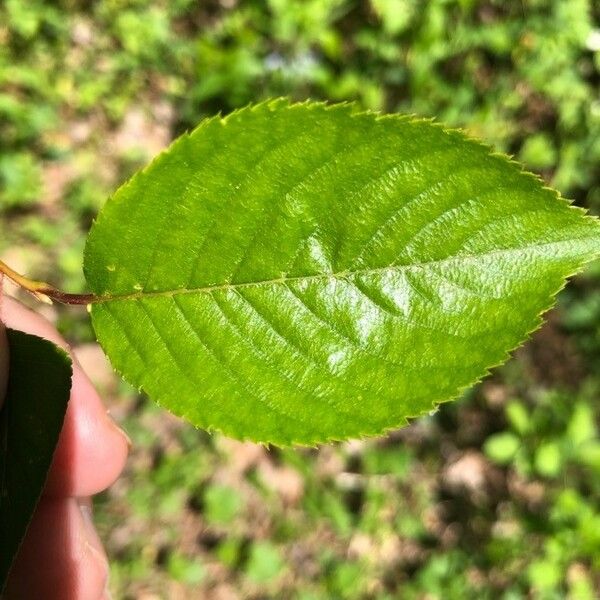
<point>186,570</point>
<point>264,563</point>
<point>538,151</point>
<point>221,504</point>
<point>284,295</point>
<point>20,180</point>
<point>30,422</point>
<point>556,438</point>
<point>502,447</point>
<point>548,439</point>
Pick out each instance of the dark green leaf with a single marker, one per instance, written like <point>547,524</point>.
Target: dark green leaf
<point>30,422</point>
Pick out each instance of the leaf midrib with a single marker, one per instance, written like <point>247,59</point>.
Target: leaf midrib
<point>139,295</point>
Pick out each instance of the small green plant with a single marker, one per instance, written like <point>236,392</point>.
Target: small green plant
<point>548,440</point>
<point>301,273</point>
<point>554,439</point>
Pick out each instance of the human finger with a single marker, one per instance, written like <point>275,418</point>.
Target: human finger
<point>61,556</point>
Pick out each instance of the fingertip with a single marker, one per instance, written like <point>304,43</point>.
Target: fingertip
<point>92,450</point>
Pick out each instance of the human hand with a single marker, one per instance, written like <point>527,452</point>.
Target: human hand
<point>61,556</point>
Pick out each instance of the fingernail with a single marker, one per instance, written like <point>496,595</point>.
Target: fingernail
<point>127,438</point>
<point>85,507</point>
<point>121,431</point>
<point>92,541</point>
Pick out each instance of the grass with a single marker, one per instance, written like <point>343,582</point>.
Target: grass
<point>495,496</point>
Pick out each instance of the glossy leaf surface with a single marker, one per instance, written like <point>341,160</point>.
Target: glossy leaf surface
<point>39,385</point>
<point>307,272</point>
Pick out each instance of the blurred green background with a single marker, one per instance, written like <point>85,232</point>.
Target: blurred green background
<point>495,496</point>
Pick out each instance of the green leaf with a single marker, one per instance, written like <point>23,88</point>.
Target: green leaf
<point>30,422</point>
<point>264,562</point>
<point>518,417</point>
<point>544,574</point>
<point>301,273</point>
<point>582,425</point>
<point>222,504</point>
<point>548,459</point>
<point>502,447</point>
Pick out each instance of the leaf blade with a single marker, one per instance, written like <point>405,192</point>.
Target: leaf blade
<point>329,293</point>
<point>30,424</point>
